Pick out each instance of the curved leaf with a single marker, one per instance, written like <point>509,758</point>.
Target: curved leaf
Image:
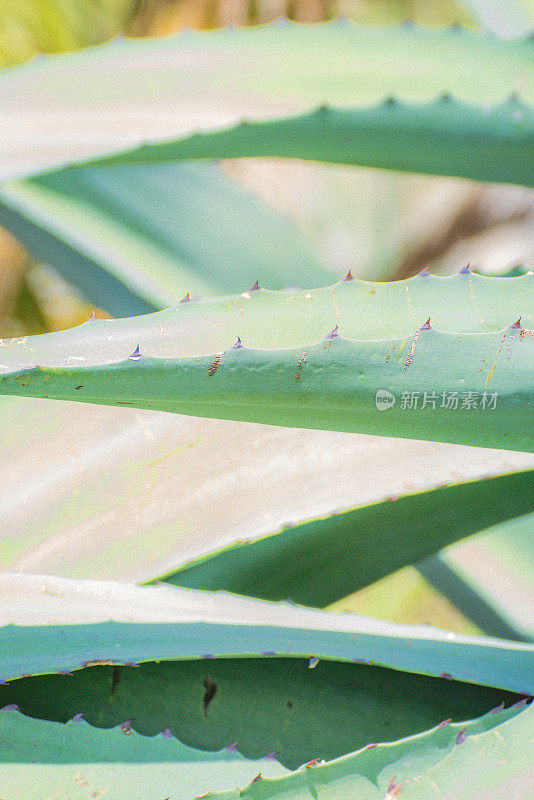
<point>320,561</point>
<point>136,239</point>
<point>475,142</point>
<point>458,377</point>
<point>292,68</point>
<point>40,758</point>
<point>43,754</point>
<point>478,759</point>
<point>164,622</point>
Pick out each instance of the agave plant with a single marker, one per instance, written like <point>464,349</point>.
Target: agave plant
<point>228,673</point>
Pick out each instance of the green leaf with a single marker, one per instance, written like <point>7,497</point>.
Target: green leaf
<point>136,239</point>
<point>36,753</point>
<point>267,366</point>
<point>320,561</point>
<point>282,72</point>
<point>474,142</point>
<point>40,758</point>
<point>482,758</point>
<point>218,669</point>
<point>165,622</point>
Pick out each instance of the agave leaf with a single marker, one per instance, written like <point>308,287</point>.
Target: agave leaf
<point>134,239</point>
<point>35,609</point>
<point>494,145</point>
<point>37,753</point>
<point>293,69</point>
<point>476,759</point>
<point>254,686</point>
<point>40,758</point>
<point>309,383</point>
<point>142,492</point>
<point>320,561</point>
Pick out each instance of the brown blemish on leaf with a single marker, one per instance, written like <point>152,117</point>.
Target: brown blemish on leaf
<point>215,364</point>
<point>211,690</point>
<point>300,365</point>
<point>115,679</point>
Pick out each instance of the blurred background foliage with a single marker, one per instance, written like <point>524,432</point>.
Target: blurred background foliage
<point>382,225</point>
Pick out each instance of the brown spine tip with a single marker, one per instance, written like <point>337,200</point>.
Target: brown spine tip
<point>136,355</point>
<point>465,270</point>
<point>426,326</point>
<point>92,317</point>
<point>517,324</point>
<point>185,299</point>
<point>424,273</point>
<point>255,287</point>
<point>238,344</point>
<point>348,276</point>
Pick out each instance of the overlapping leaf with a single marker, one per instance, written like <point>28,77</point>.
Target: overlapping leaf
<point>293,69</point>
<point>320,561</point>
<point>136,239</point>
<point>41,757</point>
<point>459,387</point>
<point>218,669</point>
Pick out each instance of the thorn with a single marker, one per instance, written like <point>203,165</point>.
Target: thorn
<point>314,762</point>
<point>238,344</point>
<point>497,709</point>
<point>444,723</point>
<point>461,737</point>
<point>333,333</point>
<point>167,733</point>
<point>272,755</point>
<point>126,727</point>
<point>369,746</point>
<point>390,101</point>
<point>424,273</point>
<point>136,355</point>
<point>520,703</point>
<point>348,276</point>
<point>92,317</point>
<point>427,326</point>
<point>232,748</point>
<point>186,299</point>
<point>517,324</point>
<point>257,778</point>
<point>394,789</point>
<point>77,718</point>
<point>313,662</point>
<point>255,287</point>
<point>10,707</point>
<point>465,270</point>
<point>446,675</point>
